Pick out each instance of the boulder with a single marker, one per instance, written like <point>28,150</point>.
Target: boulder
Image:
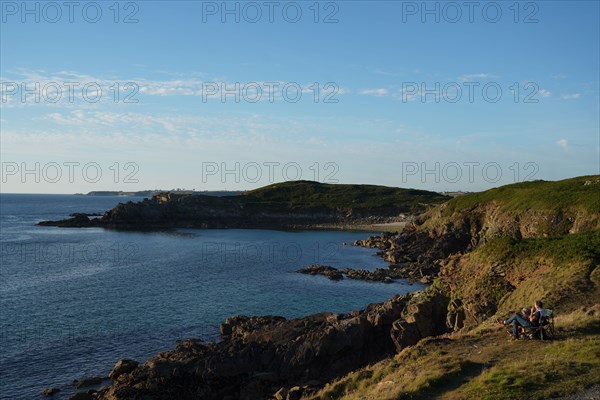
<point>332,273</point>
<point>122,366</point>
<point>50,391</point>
<point>295,393</point>
<point>425,315</point>
<point>89,381</point>
<point>281,394</point>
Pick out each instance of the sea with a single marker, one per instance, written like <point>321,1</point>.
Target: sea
<point>73,301</point>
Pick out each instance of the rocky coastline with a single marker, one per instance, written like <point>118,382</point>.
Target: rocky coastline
<point>270,357</point>
<point>412,255</point>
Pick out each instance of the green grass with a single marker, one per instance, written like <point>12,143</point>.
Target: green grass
<point>390,381</point>
<point>340,196</point>
<point>558,369</point>
<point>580,246</point>
<point>483,365</point>
<point>572,194</point>
<point>558,263</point>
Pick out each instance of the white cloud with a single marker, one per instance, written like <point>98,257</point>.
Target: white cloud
<point>545,93</point>
<point>471,77</point>
<point>563,143</point>
<point>374,92</point>
<point>571,96</point>
<point>69,86</point>
<point>316,141</point>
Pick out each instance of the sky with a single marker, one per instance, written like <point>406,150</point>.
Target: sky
<point>234,95</point>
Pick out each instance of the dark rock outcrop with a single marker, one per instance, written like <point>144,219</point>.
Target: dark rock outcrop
<point>379,274</point>
<point>424,316</point>
<point>89,381</point>
<point>414,254</point>
<point>122,366</point>
<point>258,356</point>
<point>205,212</point>
<point>78,220</point>
<point>332,273</point>
<point>51,391</point>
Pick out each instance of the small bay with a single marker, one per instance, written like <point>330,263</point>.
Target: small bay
<point>73,301</point>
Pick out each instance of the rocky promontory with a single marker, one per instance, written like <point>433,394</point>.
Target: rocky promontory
<point>288,205</point>
<point>261,356</point>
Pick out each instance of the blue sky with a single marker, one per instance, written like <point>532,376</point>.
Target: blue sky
<point>372,58</point>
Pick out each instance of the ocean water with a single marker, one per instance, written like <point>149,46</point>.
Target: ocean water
<point>74,301</point>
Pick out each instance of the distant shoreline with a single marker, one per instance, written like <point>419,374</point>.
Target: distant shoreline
<point>396,226</point>
<point>150,193</point>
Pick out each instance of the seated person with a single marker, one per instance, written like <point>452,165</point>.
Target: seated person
<point>527,318</point>
<point>519,320</point>
<point>538,314</point>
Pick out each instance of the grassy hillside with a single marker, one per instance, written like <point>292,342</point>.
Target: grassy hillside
<point>507,274</point>
<point>528,241</point>
<point>480,362</point>
<point>308,193</point>
<point>569,194</point>
<point>483,365</point>
<point>527,209</point>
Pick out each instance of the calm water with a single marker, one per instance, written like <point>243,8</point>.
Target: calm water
<point>73,301</point>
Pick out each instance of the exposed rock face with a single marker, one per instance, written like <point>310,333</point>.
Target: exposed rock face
<point>379,274</point>
<point>332,273</point>
<point>123,366</point>
<point>424,316</point>
<point>482,222</point>
<point>414,254</point>
<point>335,274</point>
<point>90,381</point>
<point>78,220</point>
<point>50,391</point>
<point>260,355</point>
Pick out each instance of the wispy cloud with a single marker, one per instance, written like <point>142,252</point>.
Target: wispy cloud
<point>70,87</point>
<point>563,143</point>
<point>474,77</point>
<point>544,93</point>
<point>140,123</point>
<point>571,96</point>
<point>374,92</point>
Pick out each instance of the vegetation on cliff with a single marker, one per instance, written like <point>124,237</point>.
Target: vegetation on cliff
<point>526,209</point>
<point>499,271</point>
<point>483,364</point>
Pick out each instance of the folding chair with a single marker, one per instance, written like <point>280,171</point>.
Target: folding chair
<point>545,329</point>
